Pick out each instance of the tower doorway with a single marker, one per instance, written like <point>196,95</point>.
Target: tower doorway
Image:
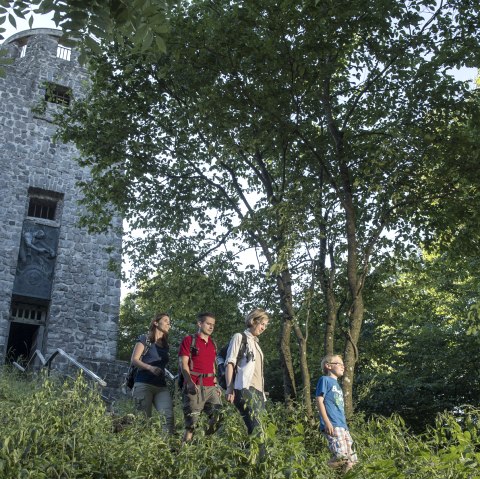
<point>27,327</point>
<point>21,342</point>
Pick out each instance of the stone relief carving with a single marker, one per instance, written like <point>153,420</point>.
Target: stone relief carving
<point>36,260</point>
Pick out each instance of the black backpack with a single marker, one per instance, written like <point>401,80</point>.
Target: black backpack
<point>221,358</point>
<point>129,379</point>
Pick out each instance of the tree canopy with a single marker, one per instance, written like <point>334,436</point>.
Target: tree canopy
<point>330,137</point>
<point>304,131</point>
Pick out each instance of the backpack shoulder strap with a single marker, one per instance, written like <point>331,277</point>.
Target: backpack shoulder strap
<point>243,347</point>
<point>146,344</point>
<point>193,346</point>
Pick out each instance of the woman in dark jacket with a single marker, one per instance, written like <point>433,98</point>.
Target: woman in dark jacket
<point>150,388</point>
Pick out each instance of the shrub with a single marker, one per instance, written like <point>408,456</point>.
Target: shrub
<point>53,430</point>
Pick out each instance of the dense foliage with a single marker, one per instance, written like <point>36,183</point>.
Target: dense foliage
<point>54,430</point>
<point>322,136</point>
<point>419,351</point>
<point>333,140</point>
<point>420,357</point>
<point>183,290</point>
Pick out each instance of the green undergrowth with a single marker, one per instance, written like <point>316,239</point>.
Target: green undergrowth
<point>51,429</point>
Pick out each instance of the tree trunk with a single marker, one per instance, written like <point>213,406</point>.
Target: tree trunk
<point>355,313</point>
<point>284,286</point>
<point>351,351</point>
<point>289,387</point>
<point>284,283</point>
<point>306,390</point>
<point>327,277</point>
<point>332,309</point>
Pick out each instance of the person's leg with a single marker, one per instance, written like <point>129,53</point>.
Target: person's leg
<point>187,435</point>
<point>257,405</point>
<point>192,407</point>
<point>163,404</point>
<point>240,402</point>
<point>143,397</point>
<point>351,454</point>
<point>249,405</point>
<point>213,408</point>
<point>338,446</point>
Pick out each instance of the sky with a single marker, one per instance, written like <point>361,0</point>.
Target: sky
<point>40,21</point>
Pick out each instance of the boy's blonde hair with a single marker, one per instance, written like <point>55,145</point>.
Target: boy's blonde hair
<point>328,359</point>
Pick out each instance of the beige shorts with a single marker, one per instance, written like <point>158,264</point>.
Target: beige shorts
<point>207,399</point>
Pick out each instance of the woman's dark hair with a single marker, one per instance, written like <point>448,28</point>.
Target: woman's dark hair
<point>151,329</point>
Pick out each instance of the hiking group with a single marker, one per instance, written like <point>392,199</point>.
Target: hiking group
<point>236,371</point>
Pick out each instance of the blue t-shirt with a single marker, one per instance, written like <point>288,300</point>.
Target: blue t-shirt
<point>156,356</point>
<point>333,400</point>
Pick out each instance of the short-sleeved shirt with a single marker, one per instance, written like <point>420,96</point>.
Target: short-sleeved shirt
<point>203,359</point>
<point>332,393</point>
<point>156,356</point>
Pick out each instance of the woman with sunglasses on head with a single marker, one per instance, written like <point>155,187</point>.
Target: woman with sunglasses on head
<point>151,356</point>
<point>244,356</point>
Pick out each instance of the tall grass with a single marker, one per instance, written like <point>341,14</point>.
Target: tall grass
<point>63,430</point>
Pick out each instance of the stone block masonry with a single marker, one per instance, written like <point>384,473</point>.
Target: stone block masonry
<point>56,290</point>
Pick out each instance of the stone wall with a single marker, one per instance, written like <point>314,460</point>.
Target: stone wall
<point>113,373</point>
<point>82,315</point>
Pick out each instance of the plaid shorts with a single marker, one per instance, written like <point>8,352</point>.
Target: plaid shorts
<point>341,444</point>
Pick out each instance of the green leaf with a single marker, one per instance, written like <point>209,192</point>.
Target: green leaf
<point>12,20</point>
<point>159,41</point>
<point>147,41</point>
<point>92,45</point>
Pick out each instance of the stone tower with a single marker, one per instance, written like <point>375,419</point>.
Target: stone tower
<point>56,290</point>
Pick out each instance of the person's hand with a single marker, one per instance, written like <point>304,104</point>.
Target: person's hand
<point>230,393</point>
<point>156,370</point>
<point>191,387</point>
<point>329,428</point>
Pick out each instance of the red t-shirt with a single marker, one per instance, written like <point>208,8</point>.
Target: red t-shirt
<point>203,361</point>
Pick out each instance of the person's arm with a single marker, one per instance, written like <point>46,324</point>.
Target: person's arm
<point>231,360</point>
<point>136,361</point>
<point>323,412</point>
<point>30,241</point>
<point>229,393</point>
<point>185,369</point>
